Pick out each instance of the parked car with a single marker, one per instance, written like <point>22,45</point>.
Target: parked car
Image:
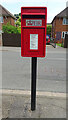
<point>47,39</point>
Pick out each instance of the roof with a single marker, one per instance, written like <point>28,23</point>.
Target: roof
<point>5,12</point>
<point>62,14</point>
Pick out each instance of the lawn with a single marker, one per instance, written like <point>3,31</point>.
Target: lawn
<point>59,44</point>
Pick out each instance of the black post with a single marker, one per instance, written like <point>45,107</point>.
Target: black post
<point>33,83</point>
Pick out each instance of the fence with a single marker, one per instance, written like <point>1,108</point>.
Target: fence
<point>13,40</point>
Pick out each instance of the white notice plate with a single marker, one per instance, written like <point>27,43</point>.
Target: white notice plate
<point>33,22</point>
<point>33,41</point>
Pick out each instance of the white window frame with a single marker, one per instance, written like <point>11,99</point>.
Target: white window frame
<point>64,19</point>
<point>65,32</point>
<point>1,19</point>
<point>1,31</point>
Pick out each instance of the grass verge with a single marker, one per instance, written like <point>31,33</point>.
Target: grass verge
<point>59,44</point>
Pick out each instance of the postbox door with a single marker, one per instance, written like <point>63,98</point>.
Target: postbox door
<point>33,42</point>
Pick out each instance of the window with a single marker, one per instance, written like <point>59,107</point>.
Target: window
<point>15,21</point>
<point>65,21</point>
<point>1,31</point>
<point>63,34</point>
<point>1,19</point>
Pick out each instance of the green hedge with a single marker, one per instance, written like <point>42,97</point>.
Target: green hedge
<point>10,29</point>
<point>59,44</point>
<point>19,29</point>
<point>49,27</point>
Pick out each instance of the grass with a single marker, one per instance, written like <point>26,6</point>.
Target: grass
<point>59,44</point>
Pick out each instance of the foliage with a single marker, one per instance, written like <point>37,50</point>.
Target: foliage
<point>49,27</point>
<point>62,45</point>
<point>19,29</point>
<point>19,19</point>
<point>19,14</point>
<point>59,44</point>
<point>18,22</point>
<point>16,15</point>
<point>9,28</point>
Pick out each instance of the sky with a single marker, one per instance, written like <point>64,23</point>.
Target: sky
<point>53,6</point>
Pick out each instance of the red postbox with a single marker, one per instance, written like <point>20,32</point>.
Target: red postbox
<point>33,31</point>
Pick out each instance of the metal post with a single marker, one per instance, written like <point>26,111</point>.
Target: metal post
<point>33,83</point>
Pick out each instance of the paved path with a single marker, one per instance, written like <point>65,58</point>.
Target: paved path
<point>19,106</point>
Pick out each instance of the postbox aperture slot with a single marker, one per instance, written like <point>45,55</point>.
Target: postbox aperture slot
<point>33,20</point>
<point>33,16</point>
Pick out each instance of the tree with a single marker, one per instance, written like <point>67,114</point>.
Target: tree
<point>19,14</point>
<point>18,22</point>
<point>9,28</point>
<point>19,19</point>
<point>49,27</point>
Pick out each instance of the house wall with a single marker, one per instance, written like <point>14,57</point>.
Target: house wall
<point>53,28</point>
<point>9,19</point>
<point>58,27</point>
<point>0,34</point>
<point>12,21</point>
<point>0,26</point>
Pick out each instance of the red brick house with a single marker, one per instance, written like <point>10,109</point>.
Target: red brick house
<point>60,26</point>
<point>6,17</point>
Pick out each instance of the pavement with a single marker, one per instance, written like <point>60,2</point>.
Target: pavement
<point>16,103</point>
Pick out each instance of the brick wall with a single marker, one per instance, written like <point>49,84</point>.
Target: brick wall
<point>54,28</point>
<point>9,19</point>
<point>12,22</point>
<point>58,26</point>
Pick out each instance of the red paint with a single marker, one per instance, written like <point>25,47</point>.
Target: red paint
<point>30,17</point>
